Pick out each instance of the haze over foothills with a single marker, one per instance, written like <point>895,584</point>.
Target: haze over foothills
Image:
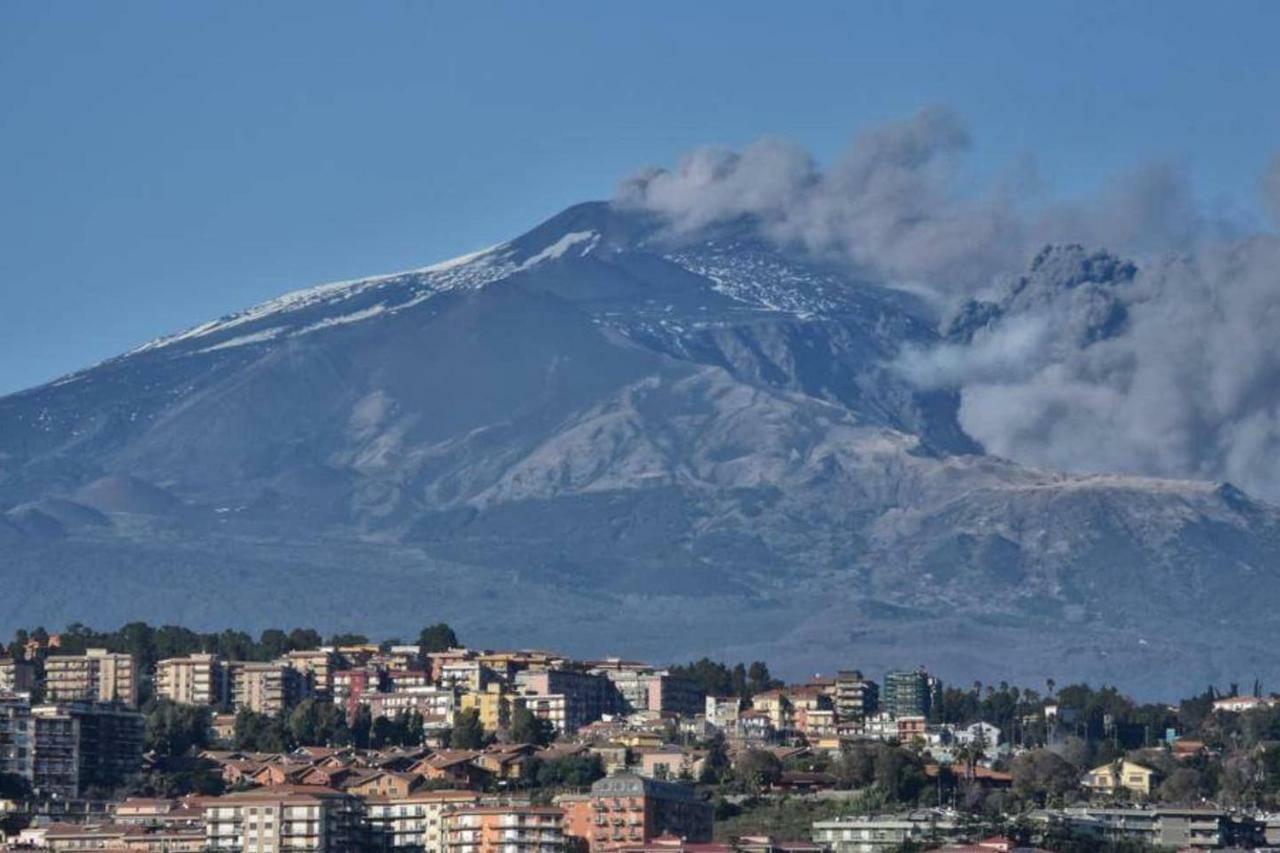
<point>879,322</point>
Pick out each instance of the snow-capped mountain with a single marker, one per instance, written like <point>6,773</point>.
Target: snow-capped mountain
<point>601,437</point>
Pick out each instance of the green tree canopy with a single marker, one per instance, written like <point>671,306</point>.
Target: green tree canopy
<point>437,638</point>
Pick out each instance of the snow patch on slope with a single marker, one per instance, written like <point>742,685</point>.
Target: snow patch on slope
<point>558,248</point>
<point>350,300</point>
<point>403,289</point>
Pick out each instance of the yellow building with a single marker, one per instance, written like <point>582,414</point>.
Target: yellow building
<point>1123,775</point>
<point>493,704</point>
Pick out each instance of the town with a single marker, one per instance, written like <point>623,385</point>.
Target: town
<point>165,739</point>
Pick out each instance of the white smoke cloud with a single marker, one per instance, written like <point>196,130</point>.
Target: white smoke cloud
<point>1170,369</point>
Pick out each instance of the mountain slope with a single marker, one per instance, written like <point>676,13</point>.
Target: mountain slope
<point>670,447</point>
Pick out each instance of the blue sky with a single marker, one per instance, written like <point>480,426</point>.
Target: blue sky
<point>163,164</point>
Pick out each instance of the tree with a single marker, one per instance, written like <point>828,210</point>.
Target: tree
<point>572,771</point>
<point>383,733</point>
<point>526,727</point>
<point>758,678</point>
<point>305,638</point>
<point>1044,777</point>
<point>467,732</point>
<point>261,733</point>
<point>313,723</point>
<point>856,767</point>
<point>173,729</point>
<point>716,764</point>
<point>437,638</point>
<point>361,727</point>
<point>348,640</point>
<point>757,770</point>
<point>14,787</point>
<point>1185,786</point>
<point>272,644</point>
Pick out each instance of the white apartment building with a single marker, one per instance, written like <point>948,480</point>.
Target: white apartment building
<point>194,680</point>
<point>95,676</point>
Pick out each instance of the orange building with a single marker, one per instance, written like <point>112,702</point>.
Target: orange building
<point>504,829</point>
<point>625,810</point>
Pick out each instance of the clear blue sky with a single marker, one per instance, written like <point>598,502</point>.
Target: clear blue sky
<point>165,163</point>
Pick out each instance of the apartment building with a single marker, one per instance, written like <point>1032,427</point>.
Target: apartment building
<point>908,694</point>
<point>493,704</point>
<point>63,749</point>
<point>266,688</point>
<point>583,698</point>
<point>722,711</point>
<point>351,685</point>
<point>882,834</point>
<point>776,707</point>
<point>504,829</point>
<point>431,702</point>
<point>317,667</point>
<point>413,823</point>
<point>282,818</point>
<point>96,676</point>
<point>17,736</point>
<point>200,679</point>
<point>669,694</point>
<point>466,674</point>
<point>856,698</point>
<point>626,809</point>
<point>16,675</point>
<point>404,657</point>
<point>100,743</point>
<point>449,658</point>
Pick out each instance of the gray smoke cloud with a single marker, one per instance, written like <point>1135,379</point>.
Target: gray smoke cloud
<point>1168,367</point>
<point>1271,188</point>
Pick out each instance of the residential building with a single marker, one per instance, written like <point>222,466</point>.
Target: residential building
<point>628,809</point>
<point>16,675</point>
<point>284,818</point>
<point>351,685</point>
<point>722,711</point>
<point>17,736</point>
<point>199,679</point>
<point>856,698</point>
<point>504,829</point>
<point>1240,704</point>
<point>584,698</point>
<point>413,823</point>
<point>266,688</point>
<point>911,729</point>
<point>816,724</point>
<point>776,707</point>
<point>671,762</point>
<point>884,833</point>
<point>82,838</point>
<point>439,660</point>
<point>553,708</point>
<point>670,694</point>
<point>493,704</point>
<point>316,666</point>
<point>467,674</point>
<point>431,702</point>
<point>907,694</point>
<point>96,676</point>
<point>881,726</point>
<point>1126,775</point>
<point>630,681</point>
<point>1163,827</point>
<point>402,679</point>
<point>64,749</point>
